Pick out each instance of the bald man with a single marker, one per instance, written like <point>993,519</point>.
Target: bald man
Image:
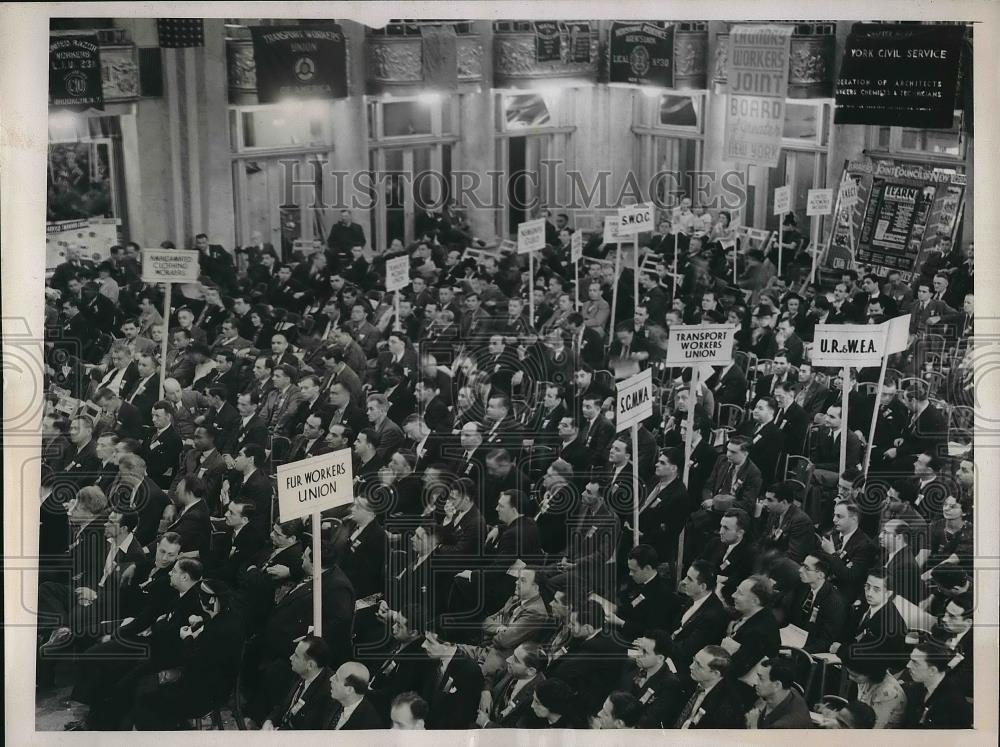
<point>351,709</point>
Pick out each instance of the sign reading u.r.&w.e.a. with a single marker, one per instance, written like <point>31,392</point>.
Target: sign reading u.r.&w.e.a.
<point>634,401</point>
<point>312,485</point>
<point>857,345</point>
<point>688,344</point>
<point>635,219</point>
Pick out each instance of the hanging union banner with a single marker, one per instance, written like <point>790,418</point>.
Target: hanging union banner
<point>758,85</point>
<point>642,54</point>
<point>548,43</point>
<point>75,72</point>
<point>899,75</point>
<point>300,62</point>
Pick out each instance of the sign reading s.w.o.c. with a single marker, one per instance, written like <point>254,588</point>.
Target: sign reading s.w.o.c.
<point>857,345</point>
<point>309,486</point>
<point>634,400</point>
<point>636,219</point>
<point>690,344</point>
<point>169,265</point>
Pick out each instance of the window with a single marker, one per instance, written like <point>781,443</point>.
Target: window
<point>680,111</point>
<point>941,145</point>
<point>428,115</point>
<point>284,126</point>
<point>807,124</point>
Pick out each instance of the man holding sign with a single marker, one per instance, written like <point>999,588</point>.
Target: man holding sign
<point>530,239</point>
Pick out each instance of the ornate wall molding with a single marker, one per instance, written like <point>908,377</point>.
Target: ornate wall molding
<point>690,59</point>
<point>515,66</point>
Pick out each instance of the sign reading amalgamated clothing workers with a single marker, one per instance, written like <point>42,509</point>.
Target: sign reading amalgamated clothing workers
<point>899,75</point>
<point>169,265</point>
<point>642,54</point>
<point>75,72</point>
<point>300,62</point>
<point>758,85</point>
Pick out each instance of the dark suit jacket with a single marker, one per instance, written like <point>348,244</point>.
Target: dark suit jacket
<point>437,416</point>
<point>239,551</point>
<point>195,529</point>
<point>364,559</point>
<point>791,713</point>
<point>300,449</point>
<point>731,388</point>
<point>257,489</point>
<point>748,483</point>
<point>793,425</point>
<point>506,712</point>
<point>758,638</point>
<point>645,607</point>
<point>661,522</point>
<point>706,626</point>
<point>577,454</point>
<point>254,432</point>
<point>923,435</point>
<point>315,708</point>
<point>163,455</point>
<point>592,668</point>
<point>390,439</point>
<point>851,563</point>
<point>597,437</point>
<point>405,669</point>
<point>453,698</point>
<point>903,576</point>
<point>825,621</point>
<point>792,534</point>
<point>738,566</point>
<point>365,716</point>
<point>827,451</point>
<point>882,636</point>
<point>659,697</point>
<point>946,708</point>
<point>722,708</point>
<point>765,447</point>
<point>465,539</point>
<point>149,502</point>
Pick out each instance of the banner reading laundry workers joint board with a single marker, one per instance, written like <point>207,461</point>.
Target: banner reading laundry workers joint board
<point>899,75</point>
<point>300,62</point>
<point>642,54</point>
<point>758,84</point>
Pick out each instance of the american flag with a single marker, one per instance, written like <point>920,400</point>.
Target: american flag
<point>181,32</point>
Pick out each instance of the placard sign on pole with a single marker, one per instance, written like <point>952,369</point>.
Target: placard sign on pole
<point>531,238</point>
<point>575,255</point>
<point>397,277</point>
<point>697,345</point>
<point>633,404</point>
<point>634,219</point>
<point>819,202</point>
<point>896,341</point>
<point>849,193</point>
<point>308,487</point>
<point>782,206</point>
<point>846,346</point>
<point>611,233</point>
<point>168,266</point>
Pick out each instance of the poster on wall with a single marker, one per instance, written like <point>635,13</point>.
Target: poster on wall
<point>758,84</point>
<point>642,54</point>
<point>579,42</point>
<point>78,181</point>
<point>94,238</point>
<point>75,73</point>
<point>548,43</point>
<point>300,62</point>
<point>895,75</point>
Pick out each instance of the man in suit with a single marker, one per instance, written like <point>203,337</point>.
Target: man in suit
<point>779,704</point>
<point>938,702</point>
<point>306,705</point>
<point>729,385</point>
<point>598,432</point>
<point>735,481</point>
<point>652,681</point>
<point>646,600</point>
<point>244,540</point>
<point>925,308</point>
<point>251,428</point>
<point>146,389</point>
<point>716,702</point>
<point>704,619</point>
<point>390,436</point>
<point>134,491</point>
<point>470,463</point>
<point>344,235</point>
<point>127,421</point>
<point>766,439</point>
<point>850,553</point>
<point>875,624</point>
<point>192,522</point>
<point>406,665</point>
<point>452,687</point>
<point>343,410</point>
<point>572,447</point>
<point>789,529</point>
<point>162,451</point>
<point>352,708</point>
<point>509,699</point>
<point>248,482</point>
<point>926,431</point>
<point>791,419</point>
<point>665,508</point>
<point>817,607</point>
<point>312,441</point>
<point>432,405</point>
<point>361,545</point>
<point>901,569</point>
<point>826,452</point>
<point>543,420</point>
<point>813,391</point>
<point>731,552</point>
<point>206,462</point>
<point>283,402</point>
<point>754,634</point>
<point>463,525</point>
<point>84,466</point>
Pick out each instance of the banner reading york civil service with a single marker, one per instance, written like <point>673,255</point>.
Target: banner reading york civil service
<point>300,62</point>
<point>634,401</point>
<point>857,345</point>
<point>690,344</point>
<point>758,83</point>
<point>312,485</point>
<point>169,265</point>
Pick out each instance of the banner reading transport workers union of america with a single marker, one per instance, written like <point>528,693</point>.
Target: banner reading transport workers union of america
<point>300,62</point>
<point>642,54</point>
<point>899,75</point>
<point>758,83</point>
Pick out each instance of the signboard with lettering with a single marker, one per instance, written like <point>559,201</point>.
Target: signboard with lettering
<point>612,234</point>
<point>579,42</point>
<point>691,344</point>
<point>636,218</point>
<point>300,62</point>
<point>758,84</point>
<point>169,265</point>
<point>397,273</point>
<point>531,236</point>
<point>904,75</point>
<point>75,72</point>
<point>857,345</point>
<point>312,485</point>
<point>576,247</point>
<point>819,202</point>
<point>782,200</point>
<point>634,400</point>
<point>849,195</point>
<point>548,44</point>
<point>641,54</point>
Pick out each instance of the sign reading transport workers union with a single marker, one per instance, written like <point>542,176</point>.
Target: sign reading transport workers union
<point>531,236</point>
<point>689,344</point>
<point>636,218</point>
<point>397,273</point>
<point>642,54</point>
<point>312,485</point>
<point>634,402</point>
<point>169,265</point>
<point>300,62</point>
<point>857,345</point>
<point>758,83</point>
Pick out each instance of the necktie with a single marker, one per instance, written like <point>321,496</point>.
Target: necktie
<point>695,699</point>
<point>807,606</point>
<point>295,699</point>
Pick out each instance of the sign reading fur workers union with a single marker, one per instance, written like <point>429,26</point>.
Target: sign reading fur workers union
<point>300,62</point>
<point>75,72</point>
<point>642,54</point>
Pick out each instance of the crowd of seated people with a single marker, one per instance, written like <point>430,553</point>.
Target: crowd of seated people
<point>490,571</point>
